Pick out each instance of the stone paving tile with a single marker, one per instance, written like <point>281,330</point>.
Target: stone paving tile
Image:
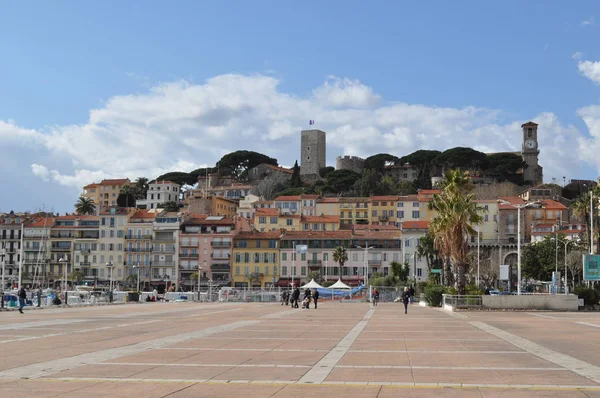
<point>308,345</point>
<point>203,343</point>
<point>456,376</point>
<point>253,344</point>
<point>218,357</point>
<point>42,389</point>
<point>371,375</point>
<point>182,372</point>
<point>154,356</point>
<point>127,390</point>
<point>538,377</point>
<point>228,390</point>
<point>530,393</point>
<point>91,371</point>
<point>286,358</point>
<point>393,392</point>
<point>294,391</point>
<point>375,358</point>
<point>361,344</point>
<point>241,373</point>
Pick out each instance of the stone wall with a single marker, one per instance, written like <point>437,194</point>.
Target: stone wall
<point>353,163</point>
<point>312,152</point>
<point>556,302</point>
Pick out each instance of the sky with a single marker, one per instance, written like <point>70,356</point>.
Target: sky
<point>112,89</point>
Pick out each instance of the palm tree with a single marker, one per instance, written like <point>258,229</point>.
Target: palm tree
<point>340,256</point>
<point>141,187</point>
<point>581,208</point>
<point>426,248</point>
<point>85,206</point>
<point>456,214</point>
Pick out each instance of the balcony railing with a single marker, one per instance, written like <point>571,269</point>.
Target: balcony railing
<point>61,248</point>
<point>188,244</point>
<point>384,217</point>
<point>189,255</point>
<point>220,256</point>
<point>164,240</point>
<point>374,262</point>
<point>220,267</point>
<point>164,250</point>
<point>138,237</point>
<point>314,263</point>
<point>215,243</point>
<point>163,263</point>
<point>84,264</point>
<point>136,250</point>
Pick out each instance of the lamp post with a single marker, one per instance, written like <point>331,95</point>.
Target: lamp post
<point>2,254</point>
<point>293,261</point>
<point>109,265</point>
<point>365,263</point>
<point>518,207</point>
<point>566,243</point>
<point>64,262</point>
<point>137,266</point>
<point>478,257</point>
<point>199,275</point>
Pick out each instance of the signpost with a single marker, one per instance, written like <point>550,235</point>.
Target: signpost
<point>591,267</point>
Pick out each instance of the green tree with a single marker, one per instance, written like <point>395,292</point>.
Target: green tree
<point>126,196</point>
<point>367,183</point>
<point>316,275</point>
<point>462,158</point>
<point>238,163</point>
<point>323,171</point>
<point>426,249</point>
<point>295,181</point>
<point>456,214</point>
<point>169,206</point>
<point>400,271</point>
<point>342,180</point>
<point>85,206</point>
<point>76,276</point>
<point>422,162</point>
<point>379,161</point>
<point>340,256</point>
<point>504,167</point>
<point>141,187</point>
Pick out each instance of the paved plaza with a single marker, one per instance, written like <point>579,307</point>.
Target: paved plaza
<point>266,350</point>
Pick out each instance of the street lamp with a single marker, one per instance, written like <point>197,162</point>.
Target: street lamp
<point>109,265</point>
<point>2,254</point>
<point>518,207</point>
<point>566,243</point>
<point>137,266</point>
<point>365,263</point>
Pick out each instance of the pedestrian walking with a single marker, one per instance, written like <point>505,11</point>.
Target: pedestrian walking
<point>315,297</point>
<point>411,293</point>
<point>375,297</point>
<point>295,297</point>
<point>39,296</point>
<point>405,298</point>
<point>22,297</point>
<point>285,297</point>
<point>306,301</point>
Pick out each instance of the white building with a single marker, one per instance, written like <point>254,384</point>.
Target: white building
<point>165,253</point>
<point>158,193</point>
<point>246,206</point>
<point>412,231</point>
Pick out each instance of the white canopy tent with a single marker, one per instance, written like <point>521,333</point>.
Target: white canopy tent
<point>339,285</point>
<point>312,285</point>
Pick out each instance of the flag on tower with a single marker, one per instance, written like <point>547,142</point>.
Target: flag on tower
<point>311,122</point>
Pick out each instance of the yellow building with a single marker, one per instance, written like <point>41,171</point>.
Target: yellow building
<point>488,229</point>
<point>383,210</point>
<point>255,259</point>
<point>425,196</point>
<point>266,220</point>
<point>354,210</point>
<point>320,223</point>
<point>328,207</point>
<point>105,193</point>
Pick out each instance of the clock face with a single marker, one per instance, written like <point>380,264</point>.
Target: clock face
<point>530,144</point>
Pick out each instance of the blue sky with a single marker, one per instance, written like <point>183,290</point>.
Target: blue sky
<point>176,85</point>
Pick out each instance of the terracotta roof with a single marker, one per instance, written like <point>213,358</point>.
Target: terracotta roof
<point>92,185</point>
<point>164,182</point>
<point>309,196</point>
<point>290,215</point>
<point>544,225</point>
<point>371,234</point>
<point>295,198</point>
<point>279,168</point>
<point>429,191</point>
<point>385,198</point>
<point>515,200</point>
<point>145,213</point>
<point>354,199</point>
<point>66,218</point>
<point>258,235</point>
<point>328,200</point>
<point>321,219</point>
<point>414,225</point>
<point>376,227</point>
<point>409,198</point>
<point>40,222</point>
<point>549,204</point>
<point>201,219</point>
<point>119,211</point>
<point>116,181</point>
<point>263,211</point>
<point>345,234</point>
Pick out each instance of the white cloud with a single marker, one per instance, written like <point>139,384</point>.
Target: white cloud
<point>590,69</point>
<point>337,92</point>
<point>179,126</point>
<point>588,22</point>
<point>577,55</point>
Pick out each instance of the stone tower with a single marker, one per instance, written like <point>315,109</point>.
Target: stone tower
<point>312,153</point>
<point>530,151</point>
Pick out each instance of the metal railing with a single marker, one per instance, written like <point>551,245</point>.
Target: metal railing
<point>460,301</point>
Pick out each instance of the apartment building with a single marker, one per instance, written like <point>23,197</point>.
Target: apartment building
<point>211,205</point>
<point>105,192</point>
<point>61,248</point>
<point>255,259</point>
<point>111,248</point>
<point>354,210</point>
<point>36,234</point>
<point>328,206</point>
<point>10,245</point>
<point>247,206</point>
<point>385,247</point>
<point>165,239</point>
<point>383,210</point>
<point>318,258</point>
<point>159,192</point>
<point>412,231</point>
<point>304,204</point>
<point>85,247</point>
<point>266,220</point>
<point>138,245</point>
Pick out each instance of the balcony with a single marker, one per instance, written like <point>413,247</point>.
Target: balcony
<point>189,255</point>
<point>220,256</point>
<point>136,250</point>
<point>84,264</point>
<point>164,249</point>
<point>384,217</point>
<point>216,243</point>
<point>188,244</point>
<point>57,248</point>
<point>219,267</point>
<point>88,236</point>
<point>314,263</point>
<point>163,263</point>
<point>138,237</point>
<point>374,262</point>
<point>164,240</point>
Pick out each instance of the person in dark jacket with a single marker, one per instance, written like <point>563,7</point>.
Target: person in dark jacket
<point>306,300</point>
<point>315,297</point>
<point>405,299</point>
<point>411,293</point>
<point>22,297</point>
<point>295,297</point>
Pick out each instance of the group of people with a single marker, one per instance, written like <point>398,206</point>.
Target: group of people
<point>407,297</point>
<point>291,297</point>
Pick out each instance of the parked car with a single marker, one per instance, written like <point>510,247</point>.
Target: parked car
<point>494,292</point>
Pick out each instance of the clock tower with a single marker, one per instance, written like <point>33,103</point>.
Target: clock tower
<point>532,171</point>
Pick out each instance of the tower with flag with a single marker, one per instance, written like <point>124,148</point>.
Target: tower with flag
<point>311,122</point>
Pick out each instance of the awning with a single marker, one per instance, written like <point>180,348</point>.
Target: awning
<point>312,285</point>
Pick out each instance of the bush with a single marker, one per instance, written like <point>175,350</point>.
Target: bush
<point>433,295</point>
<point>377,281</point>
<point>473,290</point>
<point>589,295</point>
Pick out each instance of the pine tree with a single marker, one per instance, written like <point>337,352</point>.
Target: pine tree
<point>296,182</point>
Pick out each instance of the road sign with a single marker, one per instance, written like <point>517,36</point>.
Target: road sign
<point>591,267</point>
<point>504,274</point>
<point>436,271</point>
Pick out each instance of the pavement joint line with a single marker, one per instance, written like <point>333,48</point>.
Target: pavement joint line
<point>210,313</point>
<point>407,385</point>
<point>543,316</point>
<point>46,368</point>
<point>281,314</point>
<point>582,368</point>
<point>319,372</point>
<point>77,331</point>
<point>437,352</point>
<point>448,367</point>
<point>588,324</point>
<point>242,349</point>
<point>204,365</point>
<point>36,324</point>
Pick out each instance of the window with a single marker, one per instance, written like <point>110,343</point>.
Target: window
<point>303,257</point>
<point>486,207</point>
<point>288,221</point>
<point>283,256</point>
<point>354,256</point>
<point>262,220</point>
<point>407,243</point>
<point>419,272</point>
<point>400,213</point>
<point>103,234</point>
<point>415,214</point>
<point>325,256</point>
<point>103,220</point>
<point>303,271</point>
<point>495,217</point>
<point>400,204</point>
<point>112,233</point>
<point>415,204</point>
<point>284,271</point>
<point>273,220</point>
<point>256,258</point>
<point>486,218</point>
<point>374,212</point>
<point>375,204</point>
<point>112,222</point>
<point>241,243</point>
<point>384,203</point>
<point>315,227</point>
<point>306,226</point>
<point>237,270</point>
